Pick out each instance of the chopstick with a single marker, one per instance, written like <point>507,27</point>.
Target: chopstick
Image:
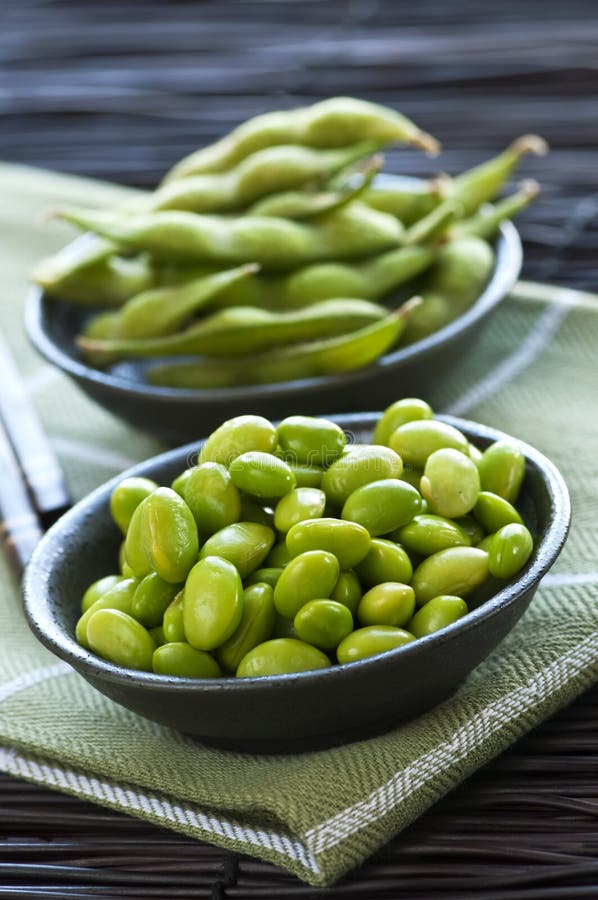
<point>32,451</point>
<point>20,529</point>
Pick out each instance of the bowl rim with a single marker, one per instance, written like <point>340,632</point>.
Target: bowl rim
<point>41,619</point>
<point>507,266</point>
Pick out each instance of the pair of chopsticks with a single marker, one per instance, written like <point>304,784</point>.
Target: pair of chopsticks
<point>33,493</point>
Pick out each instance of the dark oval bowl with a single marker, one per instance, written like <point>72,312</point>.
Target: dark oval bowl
<point>172,414</point>
<point>286,712</point>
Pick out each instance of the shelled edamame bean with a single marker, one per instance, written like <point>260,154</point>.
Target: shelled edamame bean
<point>362,563</point>
<point>290,193</point>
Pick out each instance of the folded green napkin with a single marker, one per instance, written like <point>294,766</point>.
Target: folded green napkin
<point>533,374</point>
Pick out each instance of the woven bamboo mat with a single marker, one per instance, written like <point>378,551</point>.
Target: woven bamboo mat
<point>120,90</point>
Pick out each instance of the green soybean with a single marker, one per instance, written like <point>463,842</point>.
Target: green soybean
<point>427,534</point>
<point>398,413</point>
<point>213,603</point>
<point>267,575</point>
<point>261,474</point>
<point>306,476</point>
<point>359,466</point>
<point>436,614</point>
<point>502,469</point>
<point>172,623</point>
<point>385,561</point>
<point>348,541</point>
<point>281,656</point>
<point>126,497</point>
<point>457,571</point>
<point>279,555</point>
<point>311,441</point>
<point>510,548</point>
<point>151,598</point>
<point>415,441</point>
<point>450,483</point>
<point>408,198</point>
<point>162,537</point>
<point>382,506</point>
<point>238,435</point>
<point>323,623</point>
<point>388,603</point>
<point>254,511</point>
<point>255,627</point>
<point>212,497</point>
<point>371,641</point>
<point>298,505</point>
<point>181,660</point>
<point>492,512</point>
<point>97,589</point>
<point>120,639</point>
<point>119,596</point>
<point>311,575</point>
<point>347,590</point>
<point>244,544</point>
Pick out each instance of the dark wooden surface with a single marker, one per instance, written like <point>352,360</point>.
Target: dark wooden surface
<point>120,90</point>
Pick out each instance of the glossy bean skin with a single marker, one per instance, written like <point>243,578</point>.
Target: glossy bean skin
<point>509,550</point>
<point>309,576</point>
<point>347,591</point>
<point>311,359</point>
<point>151,598</point>
<point>437,613</point>
<point>323,623</point>
<point>97,589</point>
<point>157,635</point>
<point>486,222</point>
<point>371,640</point>
<point>311,441</point>
<point>213,603</point>
<point>334,122</point>
<point>493,512</point>
<point>471,527</point>
<point>119,638</point>
<point>181,660</point>
<point>267,575</point>
<point>306,476</point>
<point>415,441</point>
<point>178,484</point>
<point>387,603</point>
<point>398,413</point>
<point>172,622</point>
<point>427,534</point>
<point>236,436</point>
<point>450,483</point>
<point>502,469</point>
<point>279,555</point>
<point>261,475</point>
<point>254,511</point>
<point>127,496</point>
<point>385,561</point>
<point>255,627</point>
<point>162,537</point>
<point>457,571</point>
<point>296,506</point>
<point>357,467</point>
<point>382,506</point>
<point>119,596</point>
<point>244,544</point>
<point>212,497</point>
<point>347,541</point>
<point>281,656</point>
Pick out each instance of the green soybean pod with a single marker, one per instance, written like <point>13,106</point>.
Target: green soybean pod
<point>311,441</point>
<point>323,623</point>
<point>415,441</point>
<point>385,561</point>
<point>119,638</point>
<point>371,640</point>
<point>126,497</point>
<point>382,506</point>
<point>398,413</point>
<point>450,483</point>
<point>261,475</point>
<point>437,613</point>
<point>281,656</point>
<point>151,598</point>
<point>255,627</point>
<point>502,469</point>
<point>510,548</point>
<point>162,537</point>
<point>427,534</point>
<point>181,660</point>
<point>348,541</point>
<point>388,603</point>
<point>298,505</point>
<point>457,571</point>
<point>212,497</point>
<point>172,622</point>
<point>267,575</point>
<point>492,512</point>
<point>244,544</point>
<point>309,576</point>
<point>347,590</point>
<point>97,589</point>
<point>119,596</point>
<point>236,436</point>
<point>358,466</point>
<point>213,603</point>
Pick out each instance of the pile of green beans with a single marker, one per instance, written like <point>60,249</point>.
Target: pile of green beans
<point>278,216</point>
<point>287,548</point>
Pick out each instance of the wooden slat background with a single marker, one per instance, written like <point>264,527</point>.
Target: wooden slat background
<point>120,90</point>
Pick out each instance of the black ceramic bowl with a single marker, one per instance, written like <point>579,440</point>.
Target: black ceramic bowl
<point>286,712</point>
<point>177,414</point>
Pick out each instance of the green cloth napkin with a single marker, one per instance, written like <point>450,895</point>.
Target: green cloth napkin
<point>534,375</point>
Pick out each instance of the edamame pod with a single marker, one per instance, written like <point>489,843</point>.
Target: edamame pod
<point>107,282</point>
<point>335,122</point>
<point>325,357</point>
<point>407,198</point>
<point>486,222</point>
